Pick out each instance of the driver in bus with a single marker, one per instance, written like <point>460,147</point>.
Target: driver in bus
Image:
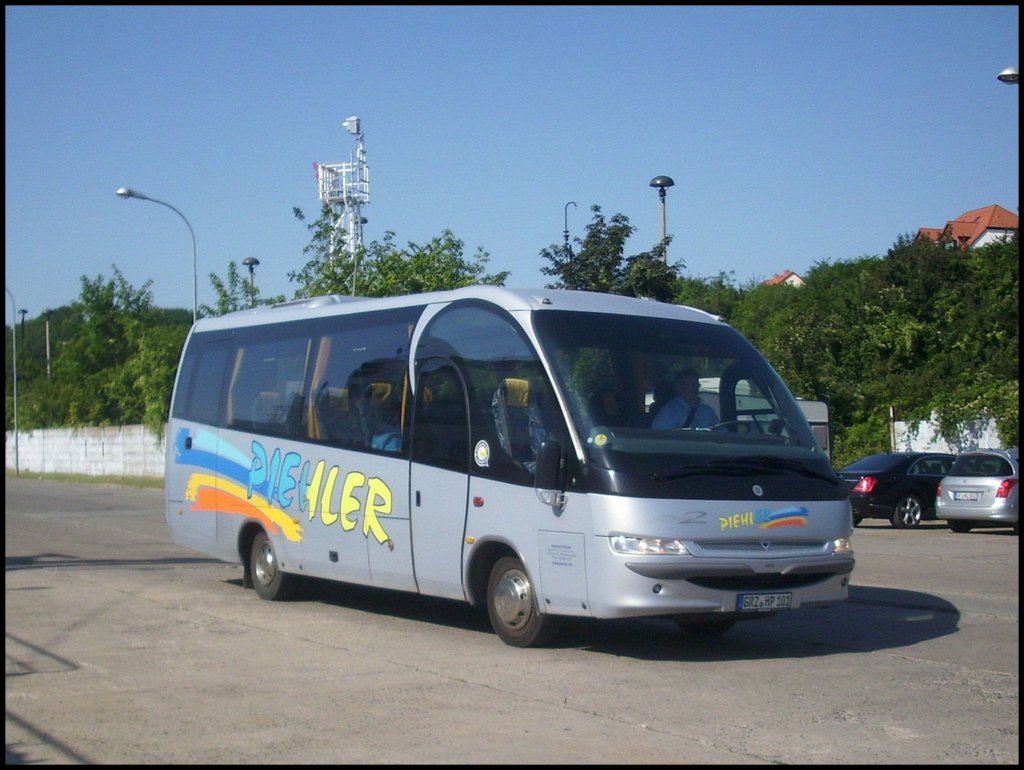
<point>685,409</point>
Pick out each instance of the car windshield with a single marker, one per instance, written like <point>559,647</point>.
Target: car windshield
<point>873,464</point>
<point>671,398</point>
<point>981,466</point>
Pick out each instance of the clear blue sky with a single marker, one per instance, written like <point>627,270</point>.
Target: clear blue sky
<point>794,135</point>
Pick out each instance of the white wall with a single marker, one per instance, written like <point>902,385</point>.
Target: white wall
<point>128,450</point>
<point>923,437</point>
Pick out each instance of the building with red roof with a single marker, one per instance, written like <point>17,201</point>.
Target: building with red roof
<point>786,276</point>
<point>975,228</point>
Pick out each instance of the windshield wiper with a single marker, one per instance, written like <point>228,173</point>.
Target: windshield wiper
<point>751,465</point>
<point>767,462</point>
<point>706,468</point>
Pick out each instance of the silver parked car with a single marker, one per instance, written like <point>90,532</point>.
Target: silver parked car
<point>981,490</point>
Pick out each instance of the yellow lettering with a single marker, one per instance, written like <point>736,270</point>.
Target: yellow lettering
<point>378,502</point>
<point>326,516</point>
<point>736,520</point>
<point>350,504</point>
<point>313,489</point>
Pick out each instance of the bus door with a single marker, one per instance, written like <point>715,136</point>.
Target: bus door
<point>439,478</point>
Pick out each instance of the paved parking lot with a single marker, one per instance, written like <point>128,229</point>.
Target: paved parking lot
<point>123,648</point>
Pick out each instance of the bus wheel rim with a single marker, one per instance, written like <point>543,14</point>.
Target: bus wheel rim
<point>513,599</point>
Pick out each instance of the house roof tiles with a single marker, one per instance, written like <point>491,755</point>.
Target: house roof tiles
<point>967,228</point>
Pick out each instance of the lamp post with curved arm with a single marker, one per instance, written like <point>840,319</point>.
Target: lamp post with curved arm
<point>127,192</point>
<point>565,232</point>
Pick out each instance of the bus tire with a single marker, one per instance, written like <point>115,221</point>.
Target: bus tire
<point>512,606</point>
<point>267,578</point>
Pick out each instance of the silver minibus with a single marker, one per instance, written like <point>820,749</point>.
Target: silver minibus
<point>498,447</point>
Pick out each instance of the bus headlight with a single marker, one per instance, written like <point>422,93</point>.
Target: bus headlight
<point>842,545</point>
<point>647,545</point>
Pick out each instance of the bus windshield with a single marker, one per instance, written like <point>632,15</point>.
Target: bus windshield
<point>667,397</point>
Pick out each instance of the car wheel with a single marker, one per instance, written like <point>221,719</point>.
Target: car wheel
<point>512,606</point>
<point>907,513</point>
<point>267,578</point>
<point>857,520</point>
<point>962,527</point>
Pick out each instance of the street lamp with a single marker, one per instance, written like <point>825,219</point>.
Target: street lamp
<point>565,232</point>
<point>662,182</point>
<point>47,314</point>
<point>251,263</point>
<point>127,192</point>
<point>1008,76</point>
<point>14,350</point>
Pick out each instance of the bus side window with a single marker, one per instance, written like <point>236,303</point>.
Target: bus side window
<point>440,426</point>
<point>333,413</point>
<point>506,388</point>
<point>383,418</point>
<point>512,417</point>
<point>266,409</point>
<point>201,382</point>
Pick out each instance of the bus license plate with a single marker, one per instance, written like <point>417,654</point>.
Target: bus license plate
<point>763,602</point>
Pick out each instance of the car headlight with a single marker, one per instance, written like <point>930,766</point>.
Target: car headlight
<point>647,545</point>
<point>842,545</point>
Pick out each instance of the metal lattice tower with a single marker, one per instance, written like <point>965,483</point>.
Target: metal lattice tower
<point>345,187</point>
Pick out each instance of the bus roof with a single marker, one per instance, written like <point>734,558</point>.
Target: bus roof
<point>512,300</point>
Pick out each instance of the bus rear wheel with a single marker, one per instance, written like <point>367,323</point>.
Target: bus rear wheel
<point>267,578</point>
<point>512,606</point>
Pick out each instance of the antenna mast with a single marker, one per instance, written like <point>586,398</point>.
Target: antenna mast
<point>345,187</point>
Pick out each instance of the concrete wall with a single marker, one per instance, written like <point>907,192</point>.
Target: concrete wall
<point>923,437</point>
<point>128,450</point>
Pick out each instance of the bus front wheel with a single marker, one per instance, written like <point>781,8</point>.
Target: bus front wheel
<point>512,606</point>
<point>267,578</point>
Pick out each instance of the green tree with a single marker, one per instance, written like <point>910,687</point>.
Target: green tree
<point>116,365</point>
<point>601,264</point>
<point>717,295</point>
<point>382,269</point>
<point>235,293</point>
<point>925,329</point>
<point>976,361</point>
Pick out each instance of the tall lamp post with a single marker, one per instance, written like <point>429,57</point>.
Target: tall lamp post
<point>251,262</point>
<point>1008,76</point>
<point>127,192</point>
<point>14,369</point>
<point>565,232</point>
<point>661,183</point>
<point>47,314</point>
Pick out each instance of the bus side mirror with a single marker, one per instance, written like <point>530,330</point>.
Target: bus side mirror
<point>546,477</point>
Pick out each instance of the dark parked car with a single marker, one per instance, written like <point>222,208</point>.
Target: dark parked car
<point>981,490</point>
<point>898,486</point>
